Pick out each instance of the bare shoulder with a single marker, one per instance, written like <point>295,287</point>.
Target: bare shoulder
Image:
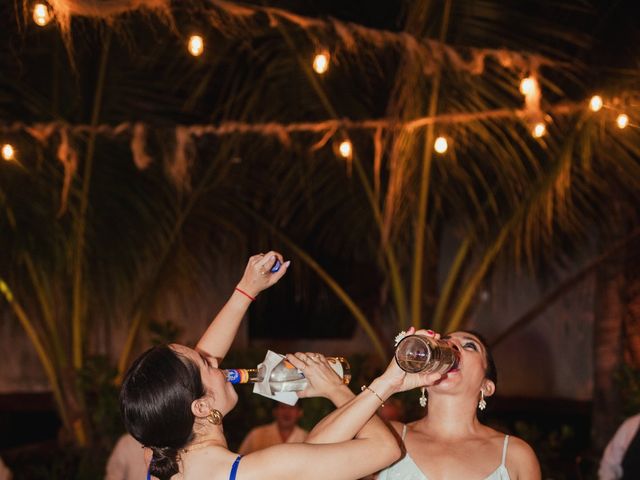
<point>522,460</point>
<point>520,449</point>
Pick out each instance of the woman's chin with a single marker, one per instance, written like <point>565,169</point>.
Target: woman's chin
<point>448,379</point>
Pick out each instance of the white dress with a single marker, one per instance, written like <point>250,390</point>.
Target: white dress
<point>406,468</point>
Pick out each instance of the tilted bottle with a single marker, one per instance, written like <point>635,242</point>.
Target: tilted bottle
<point>418,353</point>
<point>284,376</point>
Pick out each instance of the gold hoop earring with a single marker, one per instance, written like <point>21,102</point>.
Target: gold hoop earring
<point>482,404</point>
<point>423,398</point>
<point>214,417</point>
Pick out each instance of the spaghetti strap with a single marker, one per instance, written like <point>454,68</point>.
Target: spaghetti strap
<point>404,431</point>
<point>504,449</point>
<point>234,468</point>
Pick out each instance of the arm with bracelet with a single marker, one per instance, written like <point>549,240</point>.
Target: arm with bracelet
<point>346,422</point>
<point>349,443</point>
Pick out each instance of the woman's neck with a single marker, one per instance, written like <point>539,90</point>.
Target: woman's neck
<point>213,438</point>
<point>449,417</point>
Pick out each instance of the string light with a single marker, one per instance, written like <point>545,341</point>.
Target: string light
<point>528,86</point>
<point>539,129</point>
<point>321,62</point>
<point>41,14</point>
<point>8,152</point>
<point>441,145</point>
<point>345,149</point>
<point>622,120</point>
<point>595,104</point>
<point>196,45</point>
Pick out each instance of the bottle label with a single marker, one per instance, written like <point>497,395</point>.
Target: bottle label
<point>237,375</point>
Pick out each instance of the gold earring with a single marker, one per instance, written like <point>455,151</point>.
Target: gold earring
<point>482,404</point>
<point>214,417</point>
<point>423,398</point>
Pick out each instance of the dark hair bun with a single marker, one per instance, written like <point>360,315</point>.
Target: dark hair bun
<point>155,401</point>
<point>164,463</point>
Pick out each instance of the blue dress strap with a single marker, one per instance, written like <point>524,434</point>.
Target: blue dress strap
<point>232,475</point>
<point>234,468</point>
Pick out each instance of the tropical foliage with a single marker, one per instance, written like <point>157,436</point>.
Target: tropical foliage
<point>74,263</point>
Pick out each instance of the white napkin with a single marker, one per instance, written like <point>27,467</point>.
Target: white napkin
<point>270,361</point>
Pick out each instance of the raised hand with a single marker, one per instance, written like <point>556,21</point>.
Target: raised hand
<point>258,275</point>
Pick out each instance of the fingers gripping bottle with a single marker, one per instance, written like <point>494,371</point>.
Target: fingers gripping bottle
<point>284,377</point>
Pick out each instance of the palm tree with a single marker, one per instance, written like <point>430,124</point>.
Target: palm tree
<point>511,199</point>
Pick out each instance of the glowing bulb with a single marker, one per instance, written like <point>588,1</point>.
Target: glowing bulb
<point>441,145</point>
<point>539,129</point>
<point>41,14</point>
<point>8,152</point>
<point>622,120</point>
<point>321,63</point>
<point>595,103</point>
<point>196,45</point>
<point>345,149</point>
<point>528,85</point>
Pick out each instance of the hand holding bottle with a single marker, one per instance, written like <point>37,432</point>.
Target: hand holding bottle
<point>400,380</point>
<point>323,381</point>
<point>262,271</point>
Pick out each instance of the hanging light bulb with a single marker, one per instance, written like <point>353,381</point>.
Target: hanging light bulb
<point>8,152</point>
<point>622,121</point>
<point>595,104</point>
<point>41,14</point>
<point>321,62</point>
<point>346,149</point>
<point>528,85</point>
<point>539,129</point>
<point>441,145</point>
<point>196,45</point>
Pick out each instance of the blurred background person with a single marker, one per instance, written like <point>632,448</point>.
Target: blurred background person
<point>621,457</point>
<point>5,473</point>
<point>284,429</point>
<point>127,460</point>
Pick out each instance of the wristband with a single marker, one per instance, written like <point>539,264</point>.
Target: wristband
<point>245,294</point>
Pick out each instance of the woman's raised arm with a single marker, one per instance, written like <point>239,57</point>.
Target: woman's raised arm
<point>218,337</point>
<point>351,419</point>
<point>345,458</point>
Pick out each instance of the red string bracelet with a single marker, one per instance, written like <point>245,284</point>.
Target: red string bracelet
<point>246,294</point>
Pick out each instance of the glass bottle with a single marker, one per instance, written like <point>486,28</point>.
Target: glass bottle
<point>417,353</point>
<point>284,376</point>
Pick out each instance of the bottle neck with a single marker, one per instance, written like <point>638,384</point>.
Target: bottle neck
<point>242,375</point>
